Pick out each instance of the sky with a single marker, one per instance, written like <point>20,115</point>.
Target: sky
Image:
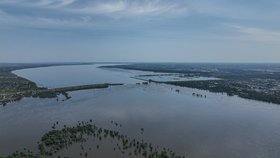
<point>139,31</point>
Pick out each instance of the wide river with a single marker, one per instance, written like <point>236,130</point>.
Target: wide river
<point>217,126</point>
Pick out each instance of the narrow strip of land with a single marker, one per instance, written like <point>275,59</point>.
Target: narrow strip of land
<point>14,88</point>
<point>48,93</point>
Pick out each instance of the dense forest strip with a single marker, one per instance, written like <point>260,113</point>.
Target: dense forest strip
<point>230,89</point>
<point>259,82</point>
<point>47,93</point>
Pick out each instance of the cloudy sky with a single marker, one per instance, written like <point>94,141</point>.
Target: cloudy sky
<point>140,30</point>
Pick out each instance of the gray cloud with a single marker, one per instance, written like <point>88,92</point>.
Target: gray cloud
<point>255,34</point>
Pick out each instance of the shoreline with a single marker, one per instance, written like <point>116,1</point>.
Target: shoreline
<point>14,87</point>
<point>237,85</point>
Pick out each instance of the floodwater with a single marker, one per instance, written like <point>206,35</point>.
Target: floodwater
<point>161,77</point>
<point>217,126</point>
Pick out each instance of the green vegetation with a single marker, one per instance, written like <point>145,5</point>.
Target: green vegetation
<point>199,95</point>
<point>251,81</point>
<point>222,86</point>
<point>16,94</point>
<point>56,140</point>
<point>14,88</point>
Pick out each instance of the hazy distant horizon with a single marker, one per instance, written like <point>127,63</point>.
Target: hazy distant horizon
<point>140,62</point>
<point>140,31</point>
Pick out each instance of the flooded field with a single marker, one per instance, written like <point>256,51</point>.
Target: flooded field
<point>214,126</point>
<point>162,77</point>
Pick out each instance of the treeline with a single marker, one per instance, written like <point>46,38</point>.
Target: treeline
<point>223,87</point>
